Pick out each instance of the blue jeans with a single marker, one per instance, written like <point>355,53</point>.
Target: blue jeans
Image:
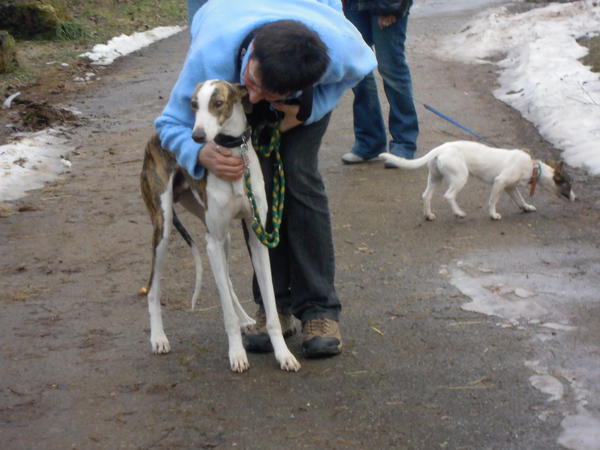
<point>369,128</point>
<point>193,6</point>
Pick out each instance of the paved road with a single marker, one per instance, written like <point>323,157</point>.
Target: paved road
<point>419,371</point>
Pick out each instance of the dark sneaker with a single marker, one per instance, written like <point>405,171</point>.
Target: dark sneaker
<point>256,340</point>
<point>321,338</point>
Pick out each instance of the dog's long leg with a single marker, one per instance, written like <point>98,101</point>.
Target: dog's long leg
<point>514,193</point>
<point>195,253</point>
<point>262,268</point>
<point>215,247</point>
<point>162,220</point>
<point>434,178</point>
<point>245,320</point>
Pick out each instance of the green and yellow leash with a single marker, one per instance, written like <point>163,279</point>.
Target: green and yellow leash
<point>271,239</point>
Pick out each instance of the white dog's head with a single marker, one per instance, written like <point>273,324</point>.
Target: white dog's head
<point>561,181</point>
<point>218,107</point>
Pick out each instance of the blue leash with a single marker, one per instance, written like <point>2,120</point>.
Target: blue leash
<point>455,123</point>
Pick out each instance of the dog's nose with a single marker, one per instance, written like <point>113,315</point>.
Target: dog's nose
<point>199,136</point>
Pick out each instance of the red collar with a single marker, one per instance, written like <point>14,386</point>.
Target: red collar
<point>535,176</point>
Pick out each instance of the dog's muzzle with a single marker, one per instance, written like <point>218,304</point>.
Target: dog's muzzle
<point>199,136</point>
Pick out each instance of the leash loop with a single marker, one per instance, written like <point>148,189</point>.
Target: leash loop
<point>271,239</point>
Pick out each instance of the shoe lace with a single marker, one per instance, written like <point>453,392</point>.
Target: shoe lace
<point>318,326</point>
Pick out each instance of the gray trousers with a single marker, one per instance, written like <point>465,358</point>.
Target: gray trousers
<point>303,264</point>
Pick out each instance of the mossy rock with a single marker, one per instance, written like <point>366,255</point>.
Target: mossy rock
<point>33,18</point>
<point>8,53</point>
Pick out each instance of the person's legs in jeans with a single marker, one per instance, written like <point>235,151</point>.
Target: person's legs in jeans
<point>393,67</point>
<point>303,264</point>
<point>369,128</point>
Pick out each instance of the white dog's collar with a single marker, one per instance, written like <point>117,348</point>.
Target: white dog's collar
<point>535,176</point>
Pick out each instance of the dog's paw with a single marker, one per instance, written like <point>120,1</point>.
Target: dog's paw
<point>287,361</point>
<point>529,208</point>
<point>238,361</point>
<point>495,216</point>
<point>160,344</point>
<point>247,325</point>
<point>460,214</point>
<point>430,217</point>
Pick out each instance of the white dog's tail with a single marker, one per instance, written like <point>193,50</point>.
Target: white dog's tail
<point>404,163</point>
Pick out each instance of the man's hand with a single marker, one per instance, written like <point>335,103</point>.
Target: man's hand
<point>219,161</point>
<point>386,21</point>
<point>289,120</point>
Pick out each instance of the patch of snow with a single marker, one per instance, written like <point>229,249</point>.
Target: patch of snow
<point>541,72</point>
<point>104,54</point>
<point>31,161</point>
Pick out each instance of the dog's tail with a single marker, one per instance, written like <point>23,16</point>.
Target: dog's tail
<point>197,261</point>
<point>404,163</point>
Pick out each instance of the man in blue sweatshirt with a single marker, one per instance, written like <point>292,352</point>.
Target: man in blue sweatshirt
<point>301,56</point>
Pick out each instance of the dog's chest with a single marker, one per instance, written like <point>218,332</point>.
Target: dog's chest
<point>227,198</point>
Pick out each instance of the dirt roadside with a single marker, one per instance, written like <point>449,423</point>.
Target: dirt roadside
<point>418,372</point>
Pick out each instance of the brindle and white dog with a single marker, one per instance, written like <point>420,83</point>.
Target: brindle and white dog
<point>218,112</point>
<point>502,168</point>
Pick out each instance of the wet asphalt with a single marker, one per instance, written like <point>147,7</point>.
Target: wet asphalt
<point>417,371</point>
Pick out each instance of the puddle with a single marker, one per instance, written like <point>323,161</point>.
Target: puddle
<point>549,292</point>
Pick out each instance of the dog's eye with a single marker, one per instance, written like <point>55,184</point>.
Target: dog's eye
<point>194,105</point>
<point>218,103</point>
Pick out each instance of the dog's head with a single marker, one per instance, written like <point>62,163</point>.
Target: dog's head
<point>218,107</point>
<point>561,180</point>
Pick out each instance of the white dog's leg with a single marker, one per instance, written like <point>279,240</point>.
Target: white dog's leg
<point>215,247</point>
<point>457,176</point>
<point>245,320</point>
<point>497,189</point>
<point>434,177</point>
<point>514,193</point>
<point>262,268</point>
<point>158,338</point>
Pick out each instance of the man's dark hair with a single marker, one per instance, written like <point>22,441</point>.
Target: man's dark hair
<point>290,55</point>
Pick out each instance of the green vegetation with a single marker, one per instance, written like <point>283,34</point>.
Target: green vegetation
<point>89,22</point>
<point>70,31</point>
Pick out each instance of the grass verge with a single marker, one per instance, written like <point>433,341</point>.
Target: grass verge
<point>94,21</point>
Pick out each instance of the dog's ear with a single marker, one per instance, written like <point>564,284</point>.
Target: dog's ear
<point>552,163</point>
<point>194,96</point>
<point>242,94</point>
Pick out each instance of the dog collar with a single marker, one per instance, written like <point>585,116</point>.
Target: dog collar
<point>535,176</point>
<point>225,140</point>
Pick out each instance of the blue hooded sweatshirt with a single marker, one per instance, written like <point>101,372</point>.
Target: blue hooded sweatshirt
<point>218,30</point>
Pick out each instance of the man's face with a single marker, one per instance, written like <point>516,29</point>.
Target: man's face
<point>253,83</point>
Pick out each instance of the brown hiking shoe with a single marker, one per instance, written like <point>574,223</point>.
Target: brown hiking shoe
<point>256,340</point>
<point>321,338</point>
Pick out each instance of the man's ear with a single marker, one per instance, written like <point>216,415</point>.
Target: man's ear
<point>242,94</point>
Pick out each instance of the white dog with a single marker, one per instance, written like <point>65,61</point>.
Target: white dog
<point>502,168</point>
<point>220,118</point>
